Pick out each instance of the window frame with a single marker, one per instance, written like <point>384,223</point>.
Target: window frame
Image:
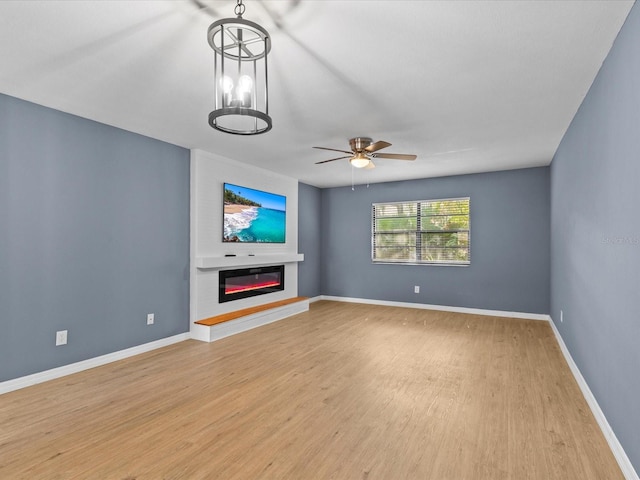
<point>418,233</point>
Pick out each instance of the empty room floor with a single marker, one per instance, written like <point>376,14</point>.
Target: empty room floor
<point>344,391</point>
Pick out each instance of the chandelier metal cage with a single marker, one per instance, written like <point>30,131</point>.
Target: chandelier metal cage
<point>241,80</point>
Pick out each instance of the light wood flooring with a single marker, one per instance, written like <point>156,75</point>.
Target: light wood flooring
<point>344,391</point>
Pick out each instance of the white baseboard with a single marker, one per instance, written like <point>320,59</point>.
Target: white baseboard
<point>40,377</point>
<point>621,457</point>
<point>444,308</point>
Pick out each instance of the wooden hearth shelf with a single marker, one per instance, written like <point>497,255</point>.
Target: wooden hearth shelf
<point>227,317</point>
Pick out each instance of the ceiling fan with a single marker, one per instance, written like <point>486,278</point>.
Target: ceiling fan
<point>363,151</point>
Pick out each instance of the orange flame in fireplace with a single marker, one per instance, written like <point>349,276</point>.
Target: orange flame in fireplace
<point>246,288</point>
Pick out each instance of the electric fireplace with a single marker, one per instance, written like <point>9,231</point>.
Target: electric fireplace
<point>249,282</point>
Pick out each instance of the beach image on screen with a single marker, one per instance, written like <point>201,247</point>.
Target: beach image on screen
<point>253,216</point>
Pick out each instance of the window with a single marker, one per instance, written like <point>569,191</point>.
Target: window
<point>422,231</point>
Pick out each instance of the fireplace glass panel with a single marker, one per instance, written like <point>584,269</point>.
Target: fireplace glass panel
<point>249,282</point>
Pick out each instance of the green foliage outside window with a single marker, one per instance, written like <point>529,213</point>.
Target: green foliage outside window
<point>430,231</point>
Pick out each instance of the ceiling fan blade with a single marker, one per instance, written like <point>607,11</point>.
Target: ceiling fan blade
<point>332,159</point>
<point>394,156</point>
<point>379,145</point>
<point>334,150</point>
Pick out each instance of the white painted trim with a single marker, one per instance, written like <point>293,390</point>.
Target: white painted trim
<point>40,377</point>
<point>623,461</point>
<point>245,261</point>
<point>193,236</point>
<point>444,308</point>
<point>315,299</point>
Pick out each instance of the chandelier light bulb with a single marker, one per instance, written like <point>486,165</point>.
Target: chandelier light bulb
<point>245,83</point>
<point>242,97</point>
<point>227,84</point>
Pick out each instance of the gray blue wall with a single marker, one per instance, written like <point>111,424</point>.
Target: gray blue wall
<point>94,234</point>
<point>309,238</point>
<point>510,243</point>
<point>595,231</point>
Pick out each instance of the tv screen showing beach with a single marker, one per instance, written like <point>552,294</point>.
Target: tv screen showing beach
<point>253,216</point>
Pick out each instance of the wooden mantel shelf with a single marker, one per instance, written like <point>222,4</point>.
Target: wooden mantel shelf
<point>246,260</point>
<point>227,317</point>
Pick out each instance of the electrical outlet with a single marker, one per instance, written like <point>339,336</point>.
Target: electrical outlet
<point>61,337</point>
<point>561,319</point>
<point>151,318</point>
<point>416,289</point>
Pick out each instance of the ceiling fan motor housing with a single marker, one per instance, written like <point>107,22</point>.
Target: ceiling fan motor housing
<point>360,143</point>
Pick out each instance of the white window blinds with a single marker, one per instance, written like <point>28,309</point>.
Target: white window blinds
<point>422,231</point>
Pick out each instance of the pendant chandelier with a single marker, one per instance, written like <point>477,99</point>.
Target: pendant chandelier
<point>240,79</point>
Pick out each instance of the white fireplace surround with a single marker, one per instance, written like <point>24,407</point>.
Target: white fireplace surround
<point>209,253</point>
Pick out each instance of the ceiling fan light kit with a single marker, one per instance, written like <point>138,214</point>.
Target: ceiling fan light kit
<point>360,160</point>
<point>363,151</point>
<point>240,76</point>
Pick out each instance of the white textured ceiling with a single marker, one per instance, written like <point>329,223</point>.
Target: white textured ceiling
<point>494,83</point>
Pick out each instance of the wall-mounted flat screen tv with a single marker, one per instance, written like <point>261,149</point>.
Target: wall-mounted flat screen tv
<point>253,216</point>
